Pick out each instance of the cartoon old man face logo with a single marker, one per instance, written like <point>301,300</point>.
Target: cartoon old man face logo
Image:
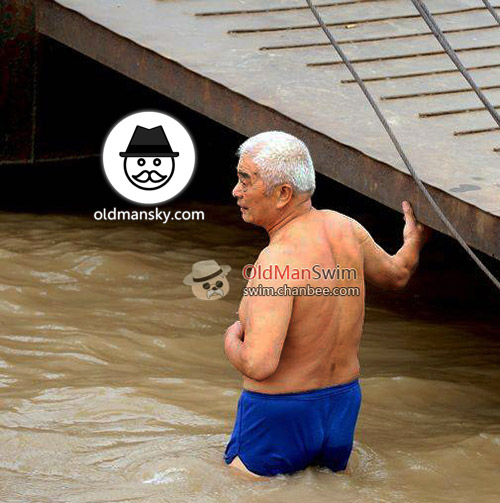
<point>208,280</point>
<point>149,160</point>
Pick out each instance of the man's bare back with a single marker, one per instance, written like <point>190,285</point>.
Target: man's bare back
<point>322,341</point>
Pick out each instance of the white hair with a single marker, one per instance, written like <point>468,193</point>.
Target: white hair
<point>282,158</point>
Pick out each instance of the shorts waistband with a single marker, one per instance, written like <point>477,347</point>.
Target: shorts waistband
<point>311,394</point>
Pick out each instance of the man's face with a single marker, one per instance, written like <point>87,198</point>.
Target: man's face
<point>256,207</point>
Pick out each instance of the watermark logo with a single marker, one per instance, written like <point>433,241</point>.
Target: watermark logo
<point>208,280</point>
<point>149,157</point>
<point>276,271</point>
<point>301,291</point>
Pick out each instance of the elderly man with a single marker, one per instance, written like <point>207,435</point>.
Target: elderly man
<point>298,352</point>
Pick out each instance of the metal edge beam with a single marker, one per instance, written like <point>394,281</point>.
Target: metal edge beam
<point>343,164</point>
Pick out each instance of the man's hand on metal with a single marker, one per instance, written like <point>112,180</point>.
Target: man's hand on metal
<point>413,230</point>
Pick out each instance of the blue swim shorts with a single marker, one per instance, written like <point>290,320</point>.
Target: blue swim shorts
<point>286,432</point>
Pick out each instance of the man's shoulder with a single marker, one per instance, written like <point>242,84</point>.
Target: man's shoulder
<point>281,255</point>
<point>332,214</point>
<point>339,220</point>
<point>272,254</point>
<point>335,217</point>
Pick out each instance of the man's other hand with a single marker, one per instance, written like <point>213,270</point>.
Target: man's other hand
<point>413,230</point>
<point>235,331</point>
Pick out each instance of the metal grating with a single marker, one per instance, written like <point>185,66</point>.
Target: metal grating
<point>474,33</point>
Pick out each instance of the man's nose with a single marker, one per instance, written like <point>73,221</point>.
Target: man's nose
<point>236,192</point>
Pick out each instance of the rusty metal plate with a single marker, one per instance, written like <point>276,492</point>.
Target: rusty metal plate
<point>273,66</point>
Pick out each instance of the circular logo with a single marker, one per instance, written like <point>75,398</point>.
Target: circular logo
<point>149,157</point>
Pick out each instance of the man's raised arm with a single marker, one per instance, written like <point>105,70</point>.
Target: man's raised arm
<point>393,271</point>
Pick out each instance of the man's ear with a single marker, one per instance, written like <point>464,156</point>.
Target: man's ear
<point>284,194</point>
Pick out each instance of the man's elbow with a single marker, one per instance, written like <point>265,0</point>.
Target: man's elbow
<point>260,370</point>
<point>400,279</point>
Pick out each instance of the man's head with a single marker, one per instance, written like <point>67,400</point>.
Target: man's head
<point>275,173</point>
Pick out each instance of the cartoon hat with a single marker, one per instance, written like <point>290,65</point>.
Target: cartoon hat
<point>149,143</point>
<point>205,270</point>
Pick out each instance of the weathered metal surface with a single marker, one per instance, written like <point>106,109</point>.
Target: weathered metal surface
<point>17,55</point>
<point>225,66</point>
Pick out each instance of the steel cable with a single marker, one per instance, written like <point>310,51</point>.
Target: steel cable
<point>431,23</point>
<point>492,10</point>
<point>395,141</point>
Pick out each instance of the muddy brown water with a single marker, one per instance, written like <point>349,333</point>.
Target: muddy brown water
<point>114,385</point>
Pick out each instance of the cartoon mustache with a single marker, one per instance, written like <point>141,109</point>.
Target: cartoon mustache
<point>218,292</point>
<point>146,176</point>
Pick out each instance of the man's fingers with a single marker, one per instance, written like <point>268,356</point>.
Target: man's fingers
<point>427,232</point>
<point>407,207</point>
<point>413,229</point>
<point>408,211</point>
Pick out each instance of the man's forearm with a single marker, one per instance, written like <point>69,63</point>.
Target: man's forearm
<point>234,352</point>
<point>406,259</point>
<point>415,235</point>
